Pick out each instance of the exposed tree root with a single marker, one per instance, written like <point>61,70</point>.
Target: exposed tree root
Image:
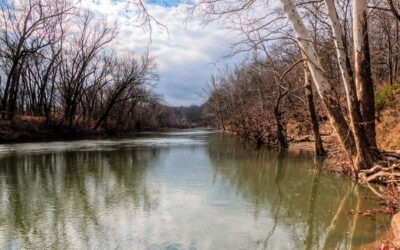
<point>385,171</point>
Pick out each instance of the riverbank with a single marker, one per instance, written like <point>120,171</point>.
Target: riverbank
<point>25,130</point>
<point>29,129</point>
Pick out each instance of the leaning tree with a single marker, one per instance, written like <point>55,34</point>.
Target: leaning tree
<point>353,120</point>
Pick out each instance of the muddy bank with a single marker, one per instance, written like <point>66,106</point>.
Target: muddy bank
<point>30,131</point>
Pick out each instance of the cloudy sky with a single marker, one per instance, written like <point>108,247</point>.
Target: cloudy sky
<point>187,53</point>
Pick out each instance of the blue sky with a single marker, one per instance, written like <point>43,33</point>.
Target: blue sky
<point>186,54</point>
<point>164,3</point>
<point>168,3</point>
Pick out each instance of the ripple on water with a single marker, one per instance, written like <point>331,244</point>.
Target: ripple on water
<point>99,145</point>
<point>174,246</point>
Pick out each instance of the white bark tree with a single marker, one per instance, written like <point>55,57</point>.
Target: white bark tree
<point>364,83</point>
<point>359,137</point>
<point>323,85</point>
<point>355,128</point>
<point>364,156</point>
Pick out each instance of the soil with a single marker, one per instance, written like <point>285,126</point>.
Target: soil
<point>28,130</point>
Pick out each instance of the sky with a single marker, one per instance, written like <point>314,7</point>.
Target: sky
<point>187,53</point>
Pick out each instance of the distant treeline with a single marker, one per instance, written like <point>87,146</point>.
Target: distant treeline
<point>186,117</point>
<point>58,66</point>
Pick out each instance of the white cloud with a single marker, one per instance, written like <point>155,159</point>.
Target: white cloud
<point>185,52</point>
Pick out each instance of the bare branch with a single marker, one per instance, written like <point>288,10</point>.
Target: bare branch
<point>394,9</point>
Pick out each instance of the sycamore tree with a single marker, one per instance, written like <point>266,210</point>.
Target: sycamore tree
<point>354,119</point>
<point>358,135</point>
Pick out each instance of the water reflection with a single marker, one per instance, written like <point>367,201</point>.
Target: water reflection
<point>193,190</point>
<point>307,208</point>
<point>74,196</point>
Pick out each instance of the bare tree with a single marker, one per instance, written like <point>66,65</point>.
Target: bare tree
<point>356,134</point>
<point>129,80</point>
<point>27,28</point>
<point>356,120</point>
<point>364,83</point>
<point>324,87</point>
<point>318,146</point>
<point>78,62</point>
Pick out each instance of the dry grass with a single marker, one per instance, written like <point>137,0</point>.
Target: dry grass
<point>32,118</point>
<point>388,133</point>
<point>388,127</point>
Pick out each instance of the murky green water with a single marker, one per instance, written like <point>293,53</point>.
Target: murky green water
<point>184,190</point>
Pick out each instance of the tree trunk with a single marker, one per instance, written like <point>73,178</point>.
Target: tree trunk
<point>220,118</point>
<point>390,57</point>
<point>396,54</point>
<point>8,104</point>
<point>318,147</point>
<point>105,114</point>
<point>364,83</point>
<point>280,130</point>
<point>324,87</point>
<point>394,9</point>
<point>364,156</point>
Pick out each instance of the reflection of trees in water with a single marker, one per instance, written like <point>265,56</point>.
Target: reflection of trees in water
<point>306,203</point>
<point>278,176</point>
<point>309,239</point>
<point>42,193</point>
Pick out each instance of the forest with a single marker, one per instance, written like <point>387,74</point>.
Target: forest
<point>311,59</point>
<point>61,76</point>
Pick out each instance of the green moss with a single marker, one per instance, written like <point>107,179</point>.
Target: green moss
<point>385,96</point>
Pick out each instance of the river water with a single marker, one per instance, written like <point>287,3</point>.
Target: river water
<point>194,189</point>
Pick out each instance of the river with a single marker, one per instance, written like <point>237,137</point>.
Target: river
<point>192,189</point>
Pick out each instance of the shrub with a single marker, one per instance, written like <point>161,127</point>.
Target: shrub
<point>385,96</point>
